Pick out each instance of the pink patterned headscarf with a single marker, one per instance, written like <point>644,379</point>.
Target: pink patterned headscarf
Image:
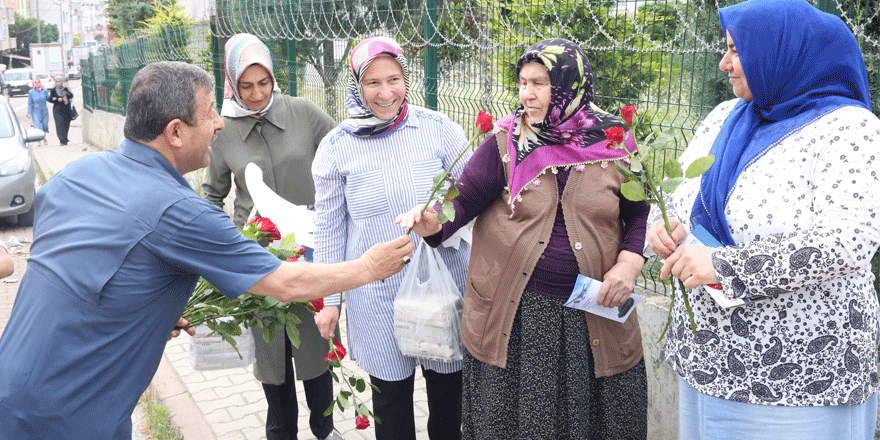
<point>361,121</point>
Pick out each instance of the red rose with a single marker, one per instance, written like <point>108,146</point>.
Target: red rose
<point>292,259</point>
<point>627,113</point>
<point>299,250</point>
<point>361,422</point>
<point>484,121</point>
<point>615,134</point>
<point>337,352</point>
<point>267,226</point>
<point>316,305</point>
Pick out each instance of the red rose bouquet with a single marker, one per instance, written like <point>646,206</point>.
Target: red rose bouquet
<point>208,306</point>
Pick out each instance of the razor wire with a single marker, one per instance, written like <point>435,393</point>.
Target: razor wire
<point>466,25</point>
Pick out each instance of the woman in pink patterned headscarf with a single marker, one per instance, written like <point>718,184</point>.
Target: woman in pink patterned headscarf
<point>377,163</point>
<point>362,120</point>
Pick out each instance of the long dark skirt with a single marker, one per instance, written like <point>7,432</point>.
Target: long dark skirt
<point>61,113</point>
<point>549,389</point>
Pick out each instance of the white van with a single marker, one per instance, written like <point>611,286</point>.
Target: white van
<point>19,81</point>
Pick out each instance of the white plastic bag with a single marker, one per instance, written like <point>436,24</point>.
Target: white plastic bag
<point>213,353</point>
<point>427,309</point>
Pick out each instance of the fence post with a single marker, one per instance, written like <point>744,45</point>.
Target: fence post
<point>217,68</point>
<point>291,67</point>
<point>829,6</point>
<point>429,30</point>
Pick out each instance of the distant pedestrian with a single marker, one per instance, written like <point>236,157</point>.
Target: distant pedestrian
<point>38,110</point>
<point>61,98</point>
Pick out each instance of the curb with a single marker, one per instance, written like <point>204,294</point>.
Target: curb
<point>185,413</point>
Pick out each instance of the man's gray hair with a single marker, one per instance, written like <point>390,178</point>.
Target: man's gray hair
<point>160,93</point>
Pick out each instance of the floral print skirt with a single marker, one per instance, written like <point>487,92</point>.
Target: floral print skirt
<point>549,389</point>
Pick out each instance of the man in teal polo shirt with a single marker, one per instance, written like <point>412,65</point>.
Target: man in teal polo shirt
<point>120,240</point>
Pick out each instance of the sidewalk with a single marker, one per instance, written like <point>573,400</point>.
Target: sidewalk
<point>222,404</point>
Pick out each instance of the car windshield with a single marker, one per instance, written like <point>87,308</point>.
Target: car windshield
<point>17,76</point>
<point>7,130</point>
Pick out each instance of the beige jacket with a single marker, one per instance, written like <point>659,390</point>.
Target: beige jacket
<point>508,249</point>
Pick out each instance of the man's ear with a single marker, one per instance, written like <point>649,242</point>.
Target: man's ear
<point>173,134</point>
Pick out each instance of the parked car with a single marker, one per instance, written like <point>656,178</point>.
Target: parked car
<point>19,81</point>
<point>17,167</point>
<point>45,79</point>
<point>73,72</point>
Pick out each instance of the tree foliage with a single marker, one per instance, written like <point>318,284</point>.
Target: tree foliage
<point>163,36</point>
<point>25,33</point>
<point>127,16</point>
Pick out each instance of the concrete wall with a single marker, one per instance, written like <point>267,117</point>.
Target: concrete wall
<point>102,129</point>
<point>662,380</point>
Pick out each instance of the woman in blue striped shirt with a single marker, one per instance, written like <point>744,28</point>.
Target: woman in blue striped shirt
<point>377,164</point>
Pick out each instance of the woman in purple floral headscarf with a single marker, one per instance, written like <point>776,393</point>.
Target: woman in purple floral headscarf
<point>546,195</point>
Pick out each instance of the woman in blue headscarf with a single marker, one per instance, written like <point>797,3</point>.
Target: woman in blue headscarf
<point>793,197</point>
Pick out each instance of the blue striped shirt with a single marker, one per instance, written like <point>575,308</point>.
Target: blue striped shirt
<point>361,185</point>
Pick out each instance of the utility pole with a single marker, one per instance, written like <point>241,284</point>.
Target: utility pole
<point>39,33</point>
<point>61,38</point>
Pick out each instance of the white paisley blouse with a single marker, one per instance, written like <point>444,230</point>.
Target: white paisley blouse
<point>804,217</point>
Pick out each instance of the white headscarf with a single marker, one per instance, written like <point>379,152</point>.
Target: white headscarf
<point>243,51</point>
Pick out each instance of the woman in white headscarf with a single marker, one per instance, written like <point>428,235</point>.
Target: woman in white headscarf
<point>61,98</point>
<point>279,133</point>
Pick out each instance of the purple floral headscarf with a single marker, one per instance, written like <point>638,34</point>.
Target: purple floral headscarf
<point>571,134</point>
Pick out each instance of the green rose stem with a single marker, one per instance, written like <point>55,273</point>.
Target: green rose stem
<point>446,176</point>
<point>355,385</point>
<point>661,203</point>
<point>655,194</point>
<point>484,122</point>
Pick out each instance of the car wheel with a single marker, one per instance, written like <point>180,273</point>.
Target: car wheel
<point>26,219</point>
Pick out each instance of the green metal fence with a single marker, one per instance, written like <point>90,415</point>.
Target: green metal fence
<point>661,56</point>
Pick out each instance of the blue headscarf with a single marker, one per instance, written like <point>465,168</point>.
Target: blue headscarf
<point>800,64</point>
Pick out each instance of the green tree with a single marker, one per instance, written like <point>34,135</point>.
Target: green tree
<point>169,30</point>
<point>127,16</point>
<point>25,33</point>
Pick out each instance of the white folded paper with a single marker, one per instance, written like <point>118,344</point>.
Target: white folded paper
<point>286,216</point>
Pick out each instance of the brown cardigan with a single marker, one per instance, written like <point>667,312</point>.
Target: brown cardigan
<point>505,251</point>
